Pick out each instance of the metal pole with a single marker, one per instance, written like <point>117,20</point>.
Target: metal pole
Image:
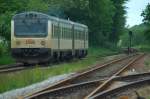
<point>130,41</point>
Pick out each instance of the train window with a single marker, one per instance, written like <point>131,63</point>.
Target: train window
<point>61,32</point>
<point>81,35</point>
<point>55,31</point>
<point>52,31</point>
<point>86,35</point>
<point>64,31</point>
<point>68,34</point>
<point>69,30</point>
<point>23,28</point>
<point>76,34</point>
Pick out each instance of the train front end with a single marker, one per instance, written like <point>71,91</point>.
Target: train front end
<point>31,37</point>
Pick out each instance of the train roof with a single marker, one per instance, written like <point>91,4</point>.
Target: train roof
<point>42,15</point>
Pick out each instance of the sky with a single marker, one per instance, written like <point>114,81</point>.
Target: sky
<point>134,10</point>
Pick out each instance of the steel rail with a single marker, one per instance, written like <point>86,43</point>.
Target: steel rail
<point>108,82</point>
<point>112,92</point>
<point>11,67</point>
<point>74,77</point>
<point>75,87</point>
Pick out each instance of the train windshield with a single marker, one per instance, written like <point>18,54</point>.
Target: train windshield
<point>31,27</point>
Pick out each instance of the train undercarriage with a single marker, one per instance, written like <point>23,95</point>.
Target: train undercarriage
<point>44,55</point>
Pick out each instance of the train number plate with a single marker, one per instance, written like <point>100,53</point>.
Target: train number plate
<point>30,41</point>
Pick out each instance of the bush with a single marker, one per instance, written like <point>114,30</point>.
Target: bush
<point>143,48</point>
<point>2,49</point>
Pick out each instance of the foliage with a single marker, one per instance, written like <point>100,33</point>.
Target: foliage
<point>143,48</point>
<point>146,20</point>
<point>37,5</point>
<point>138,35</point>
<point>101,13</point>
<point>141,33</point>
<point>105,18</point>
<point>146,14</point>
<point>1,49</point>
<point>118,20</point>
<point>5,57</point>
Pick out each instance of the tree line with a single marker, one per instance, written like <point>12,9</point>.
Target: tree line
<point>146,21</point>
<point>105,18</point>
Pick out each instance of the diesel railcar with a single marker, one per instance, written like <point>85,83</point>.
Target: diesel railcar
<point>39,38</point>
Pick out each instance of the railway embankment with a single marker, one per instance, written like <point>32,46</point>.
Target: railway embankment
<point>29,89</point>
<point>39,78</point>
<point>23,78</point>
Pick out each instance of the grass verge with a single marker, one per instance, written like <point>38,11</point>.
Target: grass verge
<point>27,77</point>
<point>144,48</point>
<point>6,59</point>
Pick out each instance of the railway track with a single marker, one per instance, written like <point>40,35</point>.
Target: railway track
<point>20,66</point>
<point>109,83</point>
<point>123,91</point>
<point>80,90</point>
<point>118,66</point>
<point>12,68</point>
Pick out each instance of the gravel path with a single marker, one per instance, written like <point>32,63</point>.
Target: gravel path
<point>14,94</point>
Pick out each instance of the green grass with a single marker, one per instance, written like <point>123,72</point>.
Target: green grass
<point>27,77</point>
<point>144,48</point>
<point>6,59</point>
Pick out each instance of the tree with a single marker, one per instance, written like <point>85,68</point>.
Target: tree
<point>146,20</point>
<point>119,20</point>
<point>101,13</point>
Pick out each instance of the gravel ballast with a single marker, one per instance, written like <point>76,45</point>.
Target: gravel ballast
<point>14,94</point>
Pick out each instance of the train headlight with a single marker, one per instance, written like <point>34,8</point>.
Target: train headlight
<point>43,43</point>
<point>18,42</point>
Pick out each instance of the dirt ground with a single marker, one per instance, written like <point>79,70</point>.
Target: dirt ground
<point>143,65</point>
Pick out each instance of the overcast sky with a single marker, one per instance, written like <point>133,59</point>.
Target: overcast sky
<point>134,10</point>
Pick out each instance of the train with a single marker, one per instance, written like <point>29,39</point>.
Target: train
<point>38,38</point>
